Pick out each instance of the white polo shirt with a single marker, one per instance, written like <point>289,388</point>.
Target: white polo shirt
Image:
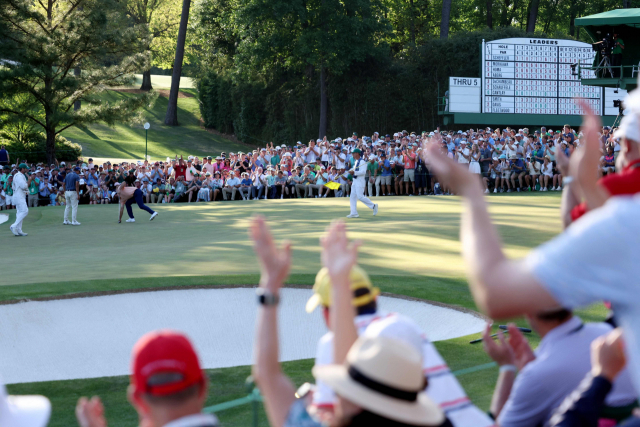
<point>587,276</point>
<point>563,359</point>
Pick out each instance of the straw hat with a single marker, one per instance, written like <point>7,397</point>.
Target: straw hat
<point>384,376</point>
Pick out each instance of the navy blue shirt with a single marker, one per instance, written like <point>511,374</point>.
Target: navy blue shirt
<point>518,164</point>
<point>4,156</point>
<point>70,181</point>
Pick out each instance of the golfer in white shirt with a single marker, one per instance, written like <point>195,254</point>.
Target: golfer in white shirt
<point>20,189</point>
<point>357,189</point>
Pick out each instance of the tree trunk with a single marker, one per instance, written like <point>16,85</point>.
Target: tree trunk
<point>413,25</point>
<point>51,146</point>
<point>78,103</point>
<point>490,14</point>
<point>533,16</point>
<point>572,17</point>
<point>322,129</point>
<point>504,16</point>
<point>146,81</point>
<point>171,118</point>
<point>626,4</point>
<point>444,22</point>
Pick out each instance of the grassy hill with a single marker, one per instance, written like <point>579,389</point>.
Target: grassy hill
<point>124,141</point>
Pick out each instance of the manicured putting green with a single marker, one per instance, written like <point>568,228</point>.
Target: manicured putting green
<point>411,248</point>
<point>417,236</point>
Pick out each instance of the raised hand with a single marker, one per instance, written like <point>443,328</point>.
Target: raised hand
<point>561,160</point>
<point>90,413</point>
<point>607,355</point>
<point>521,348</point>
<point>338,254</point>
<point>275,262</point>
<point>501,353</point>
<point>583,164</point>
<point>451,174</point>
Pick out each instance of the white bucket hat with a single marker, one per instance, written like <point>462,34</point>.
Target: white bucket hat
<point>23,411</point>
<point>384,376</point>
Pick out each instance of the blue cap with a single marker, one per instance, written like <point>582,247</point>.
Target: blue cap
<point>502,156</point>
<point>76,168</point>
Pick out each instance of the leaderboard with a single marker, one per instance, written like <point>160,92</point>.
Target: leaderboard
<point>533,76</point>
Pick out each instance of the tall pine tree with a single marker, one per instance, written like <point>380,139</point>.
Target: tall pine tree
<point>43,42</point>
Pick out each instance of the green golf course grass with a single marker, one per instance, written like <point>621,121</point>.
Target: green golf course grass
<point>410,248</point>
<point>124,141</point>
<point>159,81</point>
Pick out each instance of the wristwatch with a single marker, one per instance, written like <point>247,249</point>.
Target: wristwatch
<point>267,298</point>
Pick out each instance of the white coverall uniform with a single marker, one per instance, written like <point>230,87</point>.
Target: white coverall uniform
<point>357,189</point>
<point>20,189</point>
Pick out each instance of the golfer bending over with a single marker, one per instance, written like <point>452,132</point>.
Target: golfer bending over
<point>127,196</point>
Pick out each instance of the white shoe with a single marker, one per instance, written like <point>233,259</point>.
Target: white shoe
<point>486,191</point>
<point>75,223</point>
<point>282,196</point>
<point>375,209</point>
<point>131,220</point>
<point>21,233</point>
<point>353,216</point>
<point>66,222</point>
<point>153,215</point>
<point>544,189</point>
<point>495,190</point>
<point>14,231</point>
<point>324,195</point>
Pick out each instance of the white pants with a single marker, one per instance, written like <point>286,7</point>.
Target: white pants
<point>71,199</point>
<point>377,181</point>
<point>357,193</point>
<point>21,211</point>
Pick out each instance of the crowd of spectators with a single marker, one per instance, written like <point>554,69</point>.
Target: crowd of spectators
<point>377,368</point>
<point>506,160</point>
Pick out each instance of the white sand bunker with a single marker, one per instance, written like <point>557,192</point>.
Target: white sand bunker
<point>4,218</point>
<point>93,337</point>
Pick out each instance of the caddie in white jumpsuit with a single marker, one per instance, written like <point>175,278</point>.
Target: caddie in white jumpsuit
<point>20,189</point>
<point>357,189</point>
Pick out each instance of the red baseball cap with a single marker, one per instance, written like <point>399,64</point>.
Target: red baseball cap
<point>164,352</point>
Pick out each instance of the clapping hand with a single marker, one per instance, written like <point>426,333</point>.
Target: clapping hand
<point>275,262</point>
<point>90,413</point>
<point>338,254</point>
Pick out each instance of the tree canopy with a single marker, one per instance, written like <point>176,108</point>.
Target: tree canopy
<point>58,52</point>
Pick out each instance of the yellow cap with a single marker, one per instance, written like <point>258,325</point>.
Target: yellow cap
<point>322,289</point>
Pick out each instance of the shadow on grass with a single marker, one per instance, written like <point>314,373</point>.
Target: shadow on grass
<point>119,148</point>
